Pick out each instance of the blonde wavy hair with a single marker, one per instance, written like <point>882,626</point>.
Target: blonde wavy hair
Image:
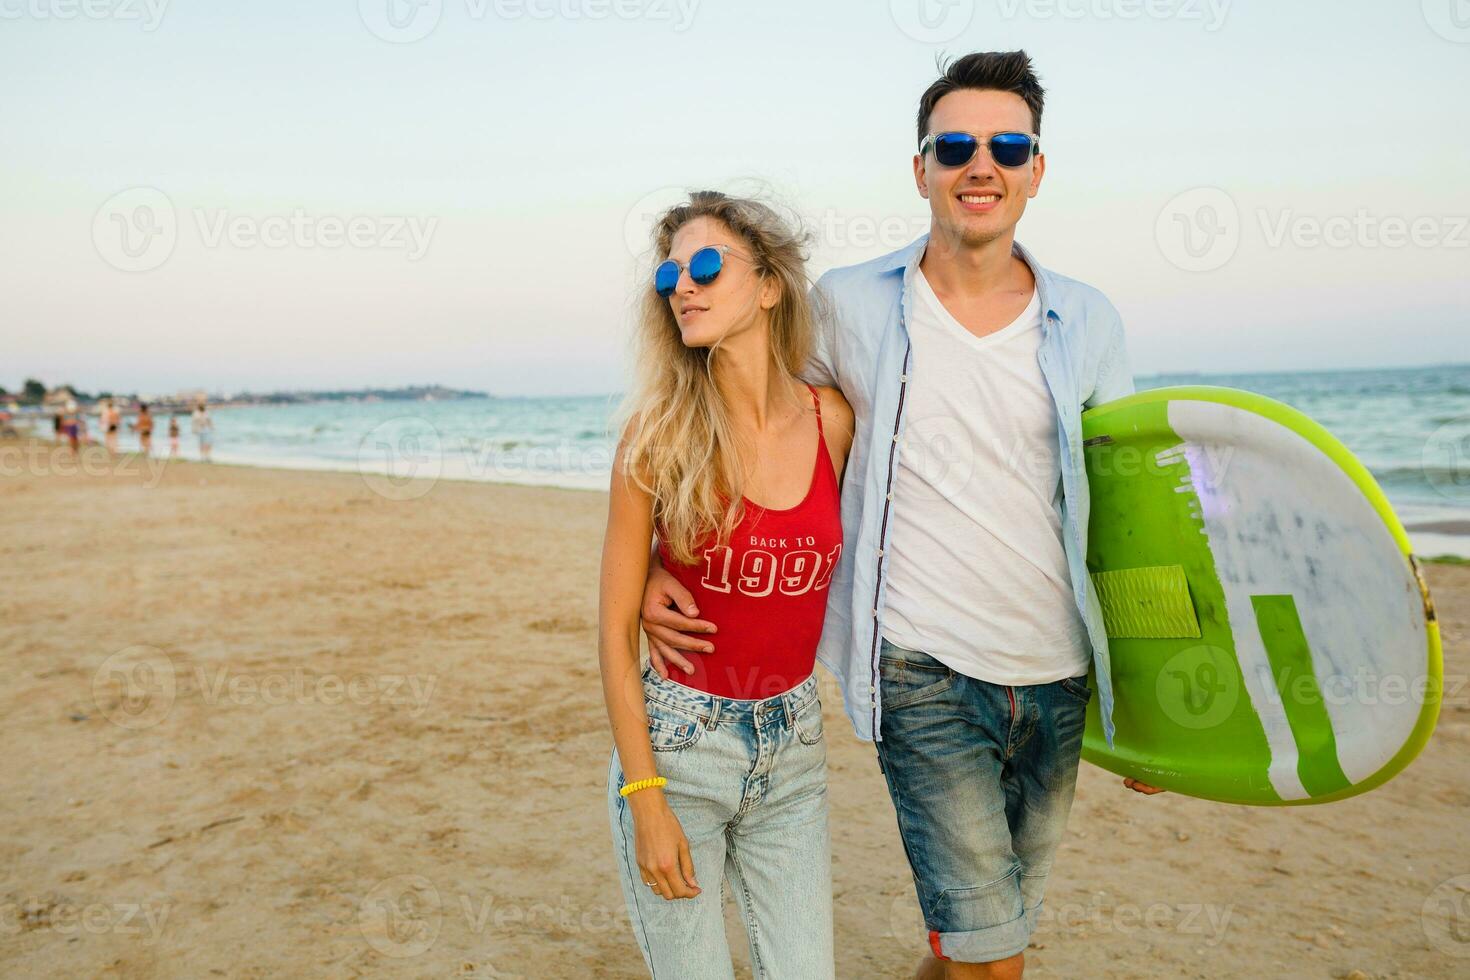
<point>679,443</point>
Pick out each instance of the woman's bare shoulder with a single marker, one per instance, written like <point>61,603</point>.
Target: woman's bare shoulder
<point>837,421</point>
<point>834,406</point>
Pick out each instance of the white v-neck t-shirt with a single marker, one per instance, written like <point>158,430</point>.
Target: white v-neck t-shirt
<point>977,574</point>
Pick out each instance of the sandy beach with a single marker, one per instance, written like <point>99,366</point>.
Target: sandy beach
<point>365,737</point>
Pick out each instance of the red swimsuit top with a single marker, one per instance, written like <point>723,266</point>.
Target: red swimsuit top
<point>766,590</point>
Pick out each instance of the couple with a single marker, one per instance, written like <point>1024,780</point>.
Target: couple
<point>915,517</point>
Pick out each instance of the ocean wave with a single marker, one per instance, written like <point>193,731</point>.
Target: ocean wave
<point>1435,475</point>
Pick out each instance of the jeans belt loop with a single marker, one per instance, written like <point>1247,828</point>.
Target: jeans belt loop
<point>714,715</point>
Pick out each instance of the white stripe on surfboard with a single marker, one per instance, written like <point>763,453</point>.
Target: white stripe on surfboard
<point>1250,652</point>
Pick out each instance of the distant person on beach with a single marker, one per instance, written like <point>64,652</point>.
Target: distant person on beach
<point>203,428</point>
<point>71,428</point>
<point>173,434</point>
<point>963,622</point>
<point>109,419</point>
<point>144,427</point>
<point>721,774</point>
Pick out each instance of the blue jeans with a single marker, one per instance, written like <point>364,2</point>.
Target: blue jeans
<point>748,782</point>
<point>982,777</point>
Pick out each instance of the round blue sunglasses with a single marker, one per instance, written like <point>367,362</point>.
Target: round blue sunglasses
<point>704,266</point>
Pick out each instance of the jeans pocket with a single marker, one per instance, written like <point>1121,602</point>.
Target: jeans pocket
<point>909,681</point>
<point>808,722</point>
<point>1077,687</point>
<point>671,729</point>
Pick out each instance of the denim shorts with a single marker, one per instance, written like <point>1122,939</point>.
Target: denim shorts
<point>982,777</point>
<point>748,782</point>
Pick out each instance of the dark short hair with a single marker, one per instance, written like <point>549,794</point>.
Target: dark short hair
<point>1003,71</point>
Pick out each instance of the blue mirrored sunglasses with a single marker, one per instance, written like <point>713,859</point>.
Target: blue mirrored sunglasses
<point>958,149</point>
<point>704,266</point>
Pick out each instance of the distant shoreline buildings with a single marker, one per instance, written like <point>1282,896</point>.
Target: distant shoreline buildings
<point>37,398</point>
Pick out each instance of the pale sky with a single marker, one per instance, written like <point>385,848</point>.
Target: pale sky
<point>351,193</point>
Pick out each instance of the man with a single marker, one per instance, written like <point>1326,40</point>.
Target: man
<point>962,621</point>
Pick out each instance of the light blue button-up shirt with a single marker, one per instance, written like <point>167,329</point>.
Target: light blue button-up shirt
<point>863,348</point>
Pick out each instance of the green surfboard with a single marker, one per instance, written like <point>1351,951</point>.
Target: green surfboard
<point>1271,639</point>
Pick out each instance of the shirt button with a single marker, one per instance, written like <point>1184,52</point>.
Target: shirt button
<point>903,377</point>
<point>875,613</point>
<point>888,497</point>
<point>895,437</point>
<point>880,552</point>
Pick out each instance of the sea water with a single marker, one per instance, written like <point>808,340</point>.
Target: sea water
<point>1411,427</point>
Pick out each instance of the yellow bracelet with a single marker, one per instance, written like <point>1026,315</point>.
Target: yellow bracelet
<point>642,784</point>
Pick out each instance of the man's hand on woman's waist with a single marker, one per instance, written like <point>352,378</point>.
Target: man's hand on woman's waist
<point>671,633</point>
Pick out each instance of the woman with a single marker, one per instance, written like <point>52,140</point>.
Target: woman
<point>144,427</point>
<point>203,427</point>
<point>722,774</point>
<point>108,419</point>
<point>71,427</point>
